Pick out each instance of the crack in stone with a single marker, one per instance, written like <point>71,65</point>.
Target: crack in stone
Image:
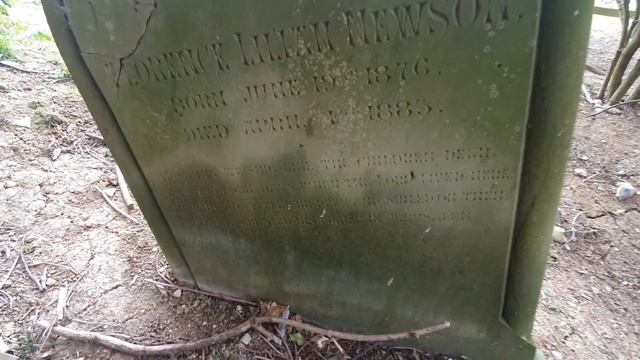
<point>135,48</point>
<point>93,13</point>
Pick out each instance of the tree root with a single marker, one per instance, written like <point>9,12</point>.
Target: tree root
<point>126,347</point>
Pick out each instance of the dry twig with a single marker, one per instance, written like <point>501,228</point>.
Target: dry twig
<point>269,336</point>
<point>573,229</point>
<point>587,95</point>
<point>167,349</point>
<point>220,296</point>
<point>615,106</point>
<point>9,298</point>
<point>596,70</point>
<point>124,189</point>
<point>14,65</point>
<point>6,277</point>
<point>66,267</point>
<point>29,273</point>
<point>115,207</point>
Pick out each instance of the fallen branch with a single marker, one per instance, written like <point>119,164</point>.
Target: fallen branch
<point>115,207</point>
<point>6,277</point>
<point>355,337</point>
<point>29,273</point>
<point>95,137</point>
<point>126,347</point>
<point>197,291</point>
<point>124,189</point>
<point>587,95</point>
<point>573,229</point>
<point>66,267</point>
<point>9,298</point>
<point>596,70</point>
<point>16,66</point>
<point>614,106</point>
<point>269,335</point>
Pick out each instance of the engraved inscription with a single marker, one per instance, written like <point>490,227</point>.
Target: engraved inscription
<point>299,100</point>
<point>284,44</point>
<point>193,102</point>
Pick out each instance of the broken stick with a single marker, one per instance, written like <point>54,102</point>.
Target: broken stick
<point>115,207</point>
<point>168,349</point>
<point>124,189</point>
<point>41,288</point>
<point>202,292</point>
<point>13,266</point>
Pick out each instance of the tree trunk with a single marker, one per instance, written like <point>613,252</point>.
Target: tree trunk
<point>626,84</point>
<point>624,39</point>
<point>635,94</point>
<point>623,62</point>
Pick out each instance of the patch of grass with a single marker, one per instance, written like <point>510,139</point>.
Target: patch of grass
<point>5,49</point>
<point>42,36</point>
<point>9,31</point>
<point>5,30</point>
<point>27,346</point>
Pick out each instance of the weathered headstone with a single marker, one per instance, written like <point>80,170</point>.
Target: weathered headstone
<point>378,165</point>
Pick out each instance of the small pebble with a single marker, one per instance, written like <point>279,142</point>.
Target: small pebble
<point>22,122</point>
<point>34,104</point>
<point>110,191</point>
<point>245,339</point>
<point>615,111</point>
<point>177,293</point>
<point>55,154</point>
<point>558,234</point>
<point>580,172</point>
<point>625,191</point>
<point>557,355</point>
<point>51,281</point>
<point>10,184</point>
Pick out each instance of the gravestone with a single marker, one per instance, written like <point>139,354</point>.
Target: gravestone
<point>379,165</point>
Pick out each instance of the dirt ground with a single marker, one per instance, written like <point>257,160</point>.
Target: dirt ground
<point>50,208</point>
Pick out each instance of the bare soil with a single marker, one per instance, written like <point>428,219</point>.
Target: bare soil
<point>51,210</point>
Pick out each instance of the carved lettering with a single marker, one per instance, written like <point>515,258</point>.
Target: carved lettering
<point>284,44</point>
<point>174,65</point>
<point>193,102</point>
<point>275,90</point>
<point>206,132</point>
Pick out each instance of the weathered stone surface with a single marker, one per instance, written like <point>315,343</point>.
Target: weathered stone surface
<point>359,161</point>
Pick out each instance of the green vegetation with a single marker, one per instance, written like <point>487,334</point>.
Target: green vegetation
<point>42,36</point>
<point>27,346</point>
<point>5,31</point>
<point>5,50</point>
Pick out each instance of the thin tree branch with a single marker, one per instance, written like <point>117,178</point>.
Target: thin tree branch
<point>626,84</point>
<point>115,207</point>
<point>6,277</point>
<point>623,7</point>
<point>594,69</point>
<point>124,189</point>
<point>635,94</point>
<point>14,65</point>
<point>29,273</point>
<point>623,62</point>
<point>126,347</point>
<point>167,349</point>
<point>197,291</point>
<point>615,106</point>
